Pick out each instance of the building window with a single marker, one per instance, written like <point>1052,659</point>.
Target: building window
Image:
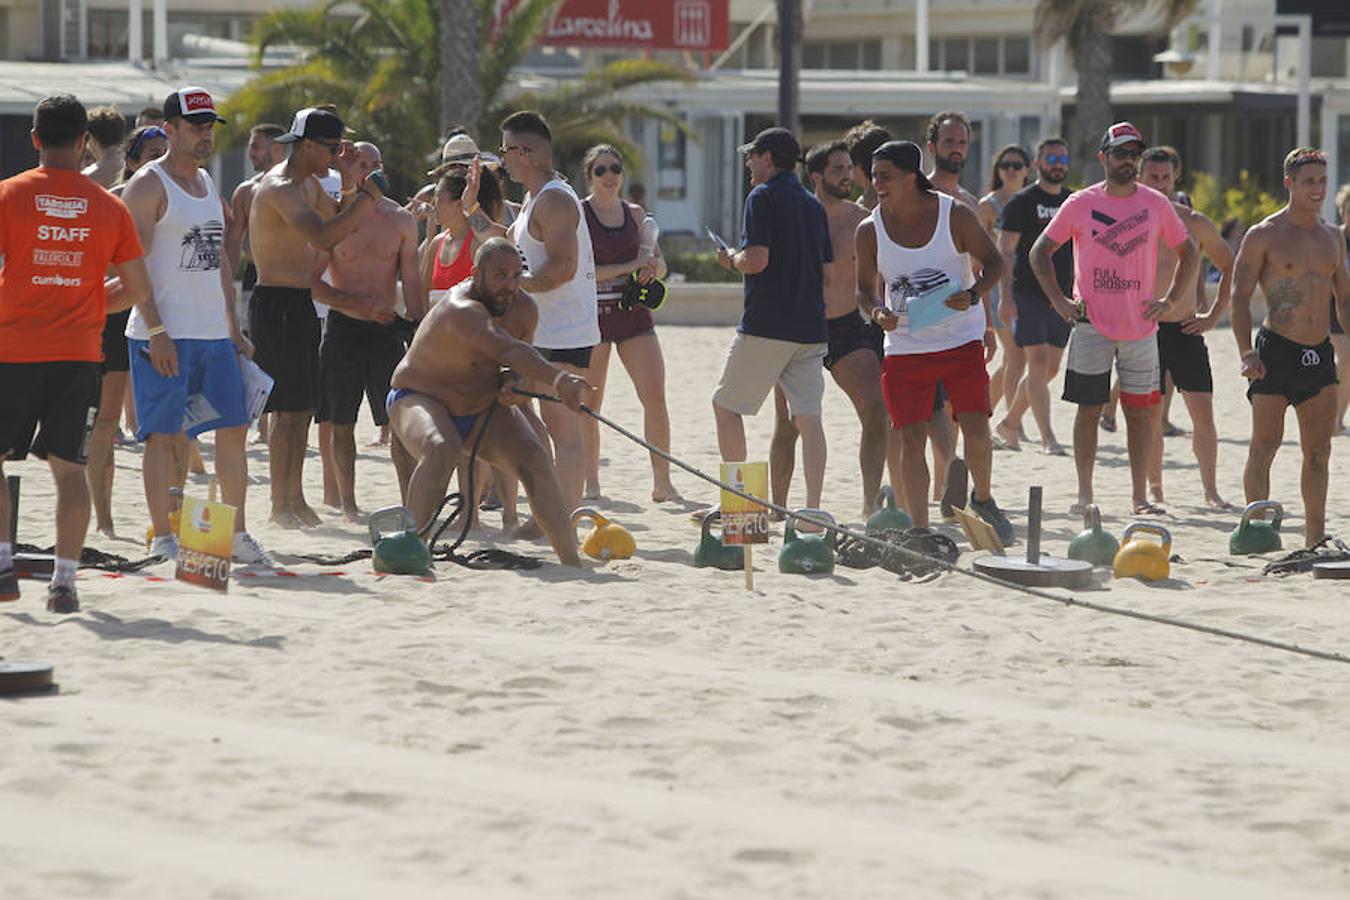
<point>986,56</point>
<point>1329,57</point>
<point>981,55</point>
<point>108,33</point>
<point>850,55</point>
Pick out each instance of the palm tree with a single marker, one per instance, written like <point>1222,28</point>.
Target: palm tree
<point>397,60</point>
<point>1086,26</point>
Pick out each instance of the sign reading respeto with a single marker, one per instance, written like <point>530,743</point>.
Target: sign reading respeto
<point>634,24</point>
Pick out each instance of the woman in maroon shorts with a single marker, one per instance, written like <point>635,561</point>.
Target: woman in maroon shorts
<point>620,251</point>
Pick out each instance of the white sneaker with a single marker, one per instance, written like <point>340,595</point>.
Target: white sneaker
<point>165,546</point>
<point>249,552</point>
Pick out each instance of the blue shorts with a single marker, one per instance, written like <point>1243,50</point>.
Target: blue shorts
<point>1037,322</point>
<point>208,378</point>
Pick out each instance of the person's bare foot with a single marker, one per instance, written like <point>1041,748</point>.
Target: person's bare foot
<point>665,493</point>
<point>1053,448</point>
<point>528,530</point>
<point>591,491</point>
<point>352,513</point>
<point>1010,438</point>
<point>1081,506</point>
<point>284,518</point>
<point>107,532</point>
<point>1108,423</point>
<point>307,517</point>
<point>1214,501</point>
<point>1157,492</point>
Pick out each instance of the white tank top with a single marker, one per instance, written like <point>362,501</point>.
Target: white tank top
<point>184,264</point>
<point>913,272</point>
<point>568,314</point>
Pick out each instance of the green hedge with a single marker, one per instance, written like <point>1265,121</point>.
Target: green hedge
<point>699,267</point>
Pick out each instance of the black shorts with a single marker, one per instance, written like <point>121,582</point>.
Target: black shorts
<point>577,357</point>
<point>1037,322</point>
<point>56,400</point>
<point>1185,357</point>
<point>357,357</point>
<point>1293,371</point>
<point>115,356</point>
<point>851,332</point>
<point>285,335</point>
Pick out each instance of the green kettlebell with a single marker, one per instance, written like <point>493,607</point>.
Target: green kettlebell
<point>889,515</point>
<point>397,548</point>
<point>807,554</point>
<point>712,553</point>
<point>1255,535</point>
<point>1093,544</point>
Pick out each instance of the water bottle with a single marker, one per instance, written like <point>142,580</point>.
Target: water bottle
<point>648,232</point>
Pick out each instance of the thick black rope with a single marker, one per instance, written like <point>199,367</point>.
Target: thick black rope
<point>845,532</point>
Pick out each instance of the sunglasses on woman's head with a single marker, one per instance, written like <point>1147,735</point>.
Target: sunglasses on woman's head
<point>615,169</point>
<point>1015,165</point>
<point>134,151</point>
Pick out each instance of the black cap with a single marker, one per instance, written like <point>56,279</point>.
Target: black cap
<point>313,123</point>
<point>906,156</point>
<point>193,104</point>
<point>778,141</point>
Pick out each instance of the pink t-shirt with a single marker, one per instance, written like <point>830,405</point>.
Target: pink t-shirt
<point>1115,254</point>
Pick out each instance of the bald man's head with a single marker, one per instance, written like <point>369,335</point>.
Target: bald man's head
<point>496,274</point>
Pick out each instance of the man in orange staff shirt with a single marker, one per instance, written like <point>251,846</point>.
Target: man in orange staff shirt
<point>59,232</point>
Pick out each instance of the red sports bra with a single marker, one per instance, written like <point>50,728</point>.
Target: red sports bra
<point>444,277</point>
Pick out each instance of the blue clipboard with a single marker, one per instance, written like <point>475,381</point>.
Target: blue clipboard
<point>929,309</point>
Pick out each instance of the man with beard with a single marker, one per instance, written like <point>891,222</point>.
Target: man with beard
<point>1115,225</point>
<point>1183,357</point>
<point>862,141</point>
<point>184,339</point>
<point>1039,330</point>
<point>1298,260</point>
<point>948,136</point>
<point>853,356</point>
<point>443,394</point>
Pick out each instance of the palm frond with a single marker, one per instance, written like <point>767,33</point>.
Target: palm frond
<point>518,34</point>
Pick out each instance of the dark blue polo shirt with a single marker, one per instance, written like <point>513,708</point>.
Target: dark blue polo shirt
<point>787,300</point>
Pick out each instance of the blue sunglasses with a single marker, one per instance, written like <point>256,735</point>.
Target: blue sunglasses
<point>1057,159</point>
<point>134,151</point>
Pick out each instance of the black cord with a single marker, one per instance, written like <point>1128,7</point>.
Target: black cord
<point>885,547</point>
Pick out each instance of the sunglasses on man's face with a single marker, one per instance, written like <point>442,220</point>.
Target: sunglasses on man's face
<point>1126,153</point>
<point>333,147</point>
<point>1056,159</point>
<point>614,169</point>
<point>1015,165</point>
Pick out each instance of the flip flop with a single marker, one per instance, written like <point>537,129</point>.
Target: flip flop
<point>1108,423</point>
<point>1149,509</point>
<point>1173,431</point>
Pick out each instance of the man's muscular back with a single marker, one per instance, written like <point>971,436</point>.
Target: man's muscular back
<point>840,290</point>
<point>283,258</point>
<point>365,262</point>
<point>1297,267</point>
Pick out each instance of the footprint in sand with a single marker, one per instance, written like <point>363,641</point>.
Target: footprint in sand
<point>532,683</point>
<point>776,855</point>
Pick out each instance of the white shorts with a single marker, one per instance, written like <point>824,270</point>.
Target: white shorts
<point>755,364</point>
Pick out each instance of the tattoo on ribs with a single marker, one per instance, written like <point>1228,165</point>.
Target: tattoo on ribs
<point>1282,299</point>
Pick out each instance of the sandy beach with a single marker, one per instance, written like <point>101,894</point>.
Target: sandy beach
<point>650,729</point>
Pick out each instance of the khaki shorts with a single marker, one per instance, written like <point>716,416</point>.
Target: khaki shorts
<point>755,364</point>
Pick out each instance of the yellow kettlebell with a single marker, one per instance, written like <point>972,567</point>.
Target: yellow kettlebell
<point>1139,558</point>
<point>175,513</point>
<point>606,540</point>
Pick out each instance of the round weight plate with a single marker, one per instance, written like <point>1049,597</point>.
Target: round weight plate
<point>1050,571</point>
<point>24,677</point>
<point>1331,569</point>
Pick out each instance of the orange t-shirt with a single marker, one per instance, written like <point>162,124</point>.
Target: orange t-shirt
<point>59,232</point>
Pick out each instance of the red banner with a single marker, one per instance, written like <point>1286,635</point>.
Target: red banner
<point>636,24</point>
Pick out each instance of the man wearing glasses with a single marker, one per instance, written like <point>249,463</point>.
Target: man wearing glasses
<point>1115,225</point>
<point>292,220</point>
<point>555,243</point>
<point>1039,330</point>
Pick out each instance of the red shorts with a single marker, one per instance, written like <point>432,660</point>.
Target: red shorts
<point>909,382</point>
